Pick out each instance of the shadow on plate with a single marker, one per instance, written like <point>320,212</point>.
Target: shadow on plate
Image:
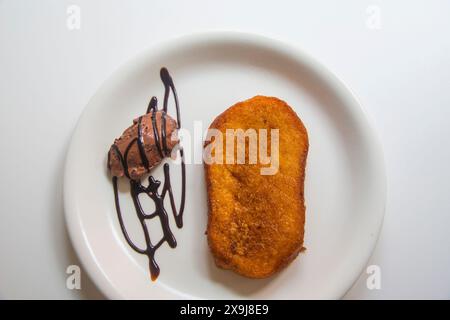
<point>63,244</point>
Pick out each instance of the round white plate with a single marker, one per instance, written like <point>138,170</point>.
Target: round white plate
<point>345,178</point>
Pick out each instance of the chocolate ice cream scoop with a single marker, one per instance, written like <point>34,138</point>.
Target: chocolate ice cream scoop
<point>143,145</point>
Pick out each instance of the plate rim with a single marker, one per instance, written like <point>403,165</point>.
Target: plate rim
<point>73,224</point>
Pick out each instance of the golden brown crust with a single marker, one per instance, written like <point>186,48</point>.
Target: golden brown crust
<point>256,222</point>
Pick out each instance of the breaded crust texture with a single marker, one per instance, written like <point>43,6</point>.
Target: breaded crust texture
<point>256,222</point>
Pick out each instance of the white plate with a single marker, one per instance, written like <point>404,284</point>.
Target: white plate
<point>345,180</point>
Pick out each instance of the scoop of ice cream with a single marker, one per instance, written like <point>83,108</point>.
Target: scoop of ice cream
<point>126,157</point>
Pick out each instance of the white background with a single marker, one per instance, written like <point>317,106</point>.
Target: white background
<point>400,72</point>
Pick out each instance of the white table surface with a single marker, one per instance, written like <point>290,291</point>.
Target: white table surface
<point>399,69</point>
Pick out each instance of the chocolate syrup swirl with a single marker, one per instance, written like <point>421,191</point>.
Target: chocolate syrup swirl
<point>136,188</point>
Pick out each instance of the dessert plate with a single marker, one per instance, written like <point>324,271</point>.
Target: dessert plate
<point>344,187</point>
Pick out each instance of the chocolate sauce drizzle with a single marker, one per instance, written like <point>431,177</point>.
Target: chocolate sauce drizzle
<point>136,188</point>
